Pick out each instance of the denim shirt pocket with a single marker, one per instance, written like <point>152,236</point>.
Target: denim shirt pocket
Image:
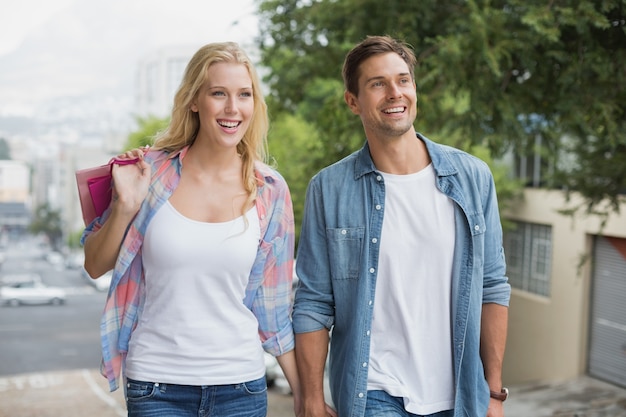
<point>344,246</point>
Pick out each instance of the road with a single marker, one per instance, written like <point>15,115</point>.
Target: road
<point>50,354</point>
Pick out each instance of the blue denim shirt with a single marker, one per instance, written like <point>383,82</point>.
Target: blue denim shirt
<point>337,266</point>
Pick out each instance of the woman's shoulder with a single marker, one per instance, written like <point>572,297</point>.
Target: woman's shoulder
<point>268,174</point>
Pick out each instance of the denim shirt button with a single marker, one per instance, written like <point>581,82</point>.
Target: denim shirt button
<point>343,232</point>
<point>367,332</point>
<point>372,270</point>
<point>361,395</point>
<point>374,240</point>
<point>379,178</point>
<point>364,364</point>
<point>378,207</point>
<point>369,303</point>
<point>477,227</point>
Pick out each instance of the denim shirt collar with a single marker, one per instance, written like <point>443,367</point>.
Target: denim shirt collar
<point>441,161</point>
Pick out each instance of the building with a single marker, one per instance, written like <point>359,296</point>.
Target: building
<point>158,77</point>
<point>15,181</point>
<point>567,315</point>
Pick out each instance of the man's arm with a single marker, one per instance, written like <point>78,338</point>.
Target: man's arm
<point>311,352</point>
<point>492,344</point>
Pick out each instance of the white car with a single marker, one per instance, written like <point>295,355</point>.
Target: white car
<point>31,292</point>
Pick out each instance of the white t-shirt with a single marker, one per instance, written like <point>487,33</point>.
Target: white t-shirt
<point>411,339</point>
<point>194,328</point>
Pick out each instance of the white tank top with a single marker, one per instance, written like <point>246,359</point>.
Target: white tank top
<point>411,338</point>
<point>194,328</point>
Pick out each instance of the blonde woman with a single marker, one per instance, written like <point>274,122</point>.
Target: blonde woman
<point>200,237</point>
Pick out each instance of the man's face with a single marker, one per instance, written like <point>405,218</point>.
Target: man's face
<point>387,101</point>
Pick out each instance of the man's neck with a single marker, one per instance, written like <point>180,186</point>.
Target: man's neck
<point>401,156</point>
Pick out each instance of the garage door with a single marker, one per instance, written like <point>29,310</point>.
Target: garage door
<point>607,353</point>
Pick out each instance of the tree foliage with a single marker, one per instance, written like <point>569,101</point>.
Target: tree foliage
<point>147,128</point>
<point>48,221</point>
<point>497,74</point>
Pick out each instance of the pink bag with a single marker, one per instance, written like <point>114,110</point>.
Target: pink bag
<point>94,188</point>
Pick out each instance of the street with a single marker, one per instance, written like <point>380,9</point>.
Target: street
<point>51,353</point>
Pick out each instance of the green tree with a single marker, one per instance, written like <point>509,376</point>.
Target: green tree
<point>493,74</point>
<point>293,144</point>
<point>48,221</point>
<point>147,128</point>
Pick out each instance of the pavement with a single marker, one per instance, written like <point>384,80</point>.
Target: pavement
<point>84,392</point>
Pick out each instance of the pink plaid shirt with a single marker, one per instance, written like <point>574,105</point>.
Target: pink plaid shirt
<point>268,293</point>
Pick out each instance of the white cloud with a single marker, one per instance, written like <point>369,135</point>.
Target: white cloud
<point>55,48</point>
<point>18,18</point>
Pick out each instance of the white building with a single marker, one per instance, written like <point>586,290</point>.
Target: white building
<point>158,77</point>
<point>14,182</point>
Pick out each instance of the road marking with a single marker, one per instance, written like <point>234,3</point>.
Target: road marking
<point>95,388</point>
<point>38,381</point>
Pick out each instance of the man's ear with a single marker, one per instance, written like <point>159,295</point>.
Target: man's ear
<point>351,101</point>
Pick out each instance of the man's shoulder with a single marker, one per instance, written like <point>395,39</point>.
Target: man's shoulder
<point>340,167</point>
<point>446,157</point>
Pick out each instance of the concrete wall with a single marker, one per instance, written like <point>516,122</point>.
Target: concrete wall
<point>547,339</point>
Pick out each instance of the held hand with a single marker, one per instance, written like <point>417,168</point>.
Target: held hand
<point>130,186</point>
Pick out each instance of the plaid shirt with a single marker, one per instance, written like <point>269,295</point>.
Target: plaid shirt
<point>268,293</point>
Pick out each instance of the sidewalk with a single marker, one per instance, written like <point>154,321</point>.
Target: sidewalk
<point>81,393</point>
<point>84,392</point>
<point>582,397</point>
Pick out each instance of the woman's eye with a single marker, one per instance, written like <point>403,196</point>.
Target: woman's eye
<point>246,94</point>
<point>218,93</point>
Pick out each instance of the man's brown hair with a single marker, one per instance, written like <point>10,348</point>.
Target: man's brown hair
<point>370,46</point>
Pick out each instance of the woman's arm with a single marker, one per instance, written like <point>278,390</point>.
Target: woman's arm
<point>130,187</point>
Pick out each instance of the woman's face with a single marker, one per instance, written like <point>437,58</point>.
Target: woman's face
<point>225,104</point>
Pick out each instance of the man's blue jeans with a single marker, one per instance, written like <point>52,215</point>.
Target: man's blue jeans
<point>150,399</point>
<point>381,404</point>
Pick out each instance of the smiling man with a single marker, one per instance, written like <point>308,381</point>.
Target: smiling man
<point>400,255</point>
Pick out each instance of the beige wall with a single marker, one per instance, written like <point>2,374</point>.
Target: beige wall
<point>547,339</point>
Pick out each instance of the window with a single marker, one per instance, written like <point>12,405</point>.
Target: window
<point>528,255</point>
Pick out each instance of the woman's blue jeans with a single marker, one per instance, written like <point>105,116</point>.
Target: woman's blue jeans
<point>381,404</point>
<point>153,399</point>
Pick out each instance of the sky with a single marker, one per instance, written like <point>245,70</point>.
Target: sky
<point>59,48</point>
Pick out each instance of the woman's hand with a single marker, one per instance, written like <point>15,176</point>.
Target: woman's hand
<point>130,183</point>
<point>133,153</point>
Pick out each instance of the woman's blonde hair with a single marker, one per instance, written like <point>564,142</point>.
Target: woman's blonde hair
<point>185,124</point>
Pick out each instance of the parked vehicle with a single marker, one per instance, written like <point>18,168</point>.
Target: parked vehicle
<point>18,278</point>
<point>31,292</point>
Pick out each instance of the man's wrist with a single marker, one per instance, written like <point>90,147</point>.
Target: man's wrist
<point>501,395</point>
